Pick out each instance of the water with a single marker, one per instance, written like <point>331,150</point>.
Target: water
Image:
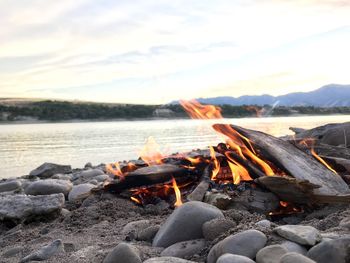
<point>23,147</point>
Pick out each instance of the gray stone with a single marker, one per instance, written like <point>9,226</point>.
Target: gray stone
<point>93,181</point>
<point>304,235</point>
<point>345,223</point>
<point>11,185</point>
<point>338,251</point>
<point>125,253</point>
<point>62,176</point>
<point>231,258</point>
<point>264,223</point>
<point>47,170</point>
<point>219,200</point>
<point>185,223</point>
<point>148,233</point>
<point>87,175</point>
<point>199,192</point>
<point>135,227</point>
<point>214,228</point>
<point>294,257</point>
<point>246,243</point>
<point>167,260</point>
<point>270,254</point>
<point>49,186</point>
<point>80,192</point>
<point>20,208</point>
<point>184,249</point>
<point>45,252</point>
<point>101,177</point>
<point>294,247</point>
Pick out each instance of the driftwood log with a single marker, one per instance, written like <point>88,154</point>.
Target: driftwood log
<point>294,161</point>
<point>298,191</point>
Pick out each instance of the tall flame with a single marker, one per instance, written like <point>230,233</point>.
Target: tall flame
<point>151,153</point>
<point>177,194</point>
<point>216,164</point>
<point>117,172</point>
<point>237,141</point>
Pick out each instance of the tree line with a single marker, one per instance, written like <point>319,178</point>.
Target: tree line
<point>62,110</point>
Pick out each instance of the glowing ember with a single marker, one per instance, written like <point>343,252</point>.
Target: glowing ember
<point>151,153</point>
<point>177,194</point>
<point>135,200</point>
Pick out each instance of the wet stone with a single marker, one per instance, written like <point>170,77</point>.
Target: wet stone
<point>246,243</point>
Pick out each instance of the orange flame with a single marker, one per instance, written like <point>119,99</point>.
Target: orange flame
<point>151,153</point>
<point>237,141</point>
<point>238,171</point>
<point>216,163</point>
<point>199,111</point>
<point>177,194</point>
<point>310,144</point>
<point>115,171</point>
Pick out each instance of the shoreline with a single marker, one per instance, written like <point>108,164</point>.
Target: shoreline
<point>155,119</point>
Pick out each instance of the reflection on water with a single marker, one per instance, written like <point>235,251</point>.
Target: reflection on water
<point>23,147</point>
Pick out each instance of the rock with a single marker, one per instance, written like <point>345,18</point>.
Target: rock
<point>148,233</point>
<point>88,165</point>
<point>271,254</point>
<point>47,170</point>
<point>93,181</point>
<point>62,176</point>
<point>11,185</point>
<point>264,223</point>
<point>87,175</point>
<point>167,260</point>
<point>294,257</point>
<point>246,243</point>
<point>125,253</point>
<point>101,177</point>
<point>49,186</point>
<point>214,228</point>
<point>80,192</point>
<point>345,223</point>
<point>231,258</point>
<point>304,235</point>
<point>45,252</point>
<point>135,227</point>
<point>294,247</point>
<point>219,200</point>
<point>20,208</point>
<point>184,249</point>
<point>335,251</point>
<point>185,223</point>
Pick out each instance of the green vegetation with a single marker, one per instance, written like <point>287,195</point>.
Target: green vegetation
<point>61,110</point>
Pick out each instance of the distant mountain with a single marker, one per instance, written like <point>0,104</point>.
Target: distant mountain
<point>332,95</point>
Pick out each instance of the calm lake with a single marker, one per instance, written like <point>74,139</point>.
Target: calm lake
<point>23,147</point>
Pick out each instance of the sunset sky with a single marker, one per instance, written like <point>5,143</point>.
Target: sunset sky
<point>145,51</point>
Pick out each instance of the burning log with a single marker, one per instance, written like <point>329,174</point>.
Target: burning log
<point>148,176</point>
<point>294,161</point>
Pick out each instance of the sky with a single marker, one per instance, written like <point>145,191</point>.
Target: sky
<point>152,52</point>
